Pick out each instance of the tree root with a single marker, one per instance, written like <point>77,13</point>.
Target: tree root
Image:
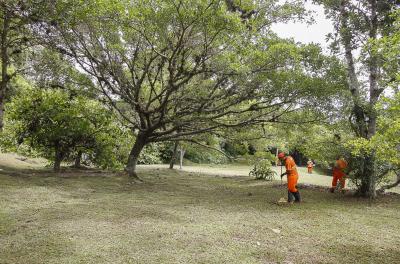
<point>133,178</point>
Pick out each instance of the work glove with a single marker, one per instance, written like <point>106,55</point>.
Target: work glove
<point>283,174</point>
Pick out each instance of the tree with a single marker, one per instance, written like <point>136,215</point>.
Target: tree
<point>388,47</point>
<point>172,69</point>
<point>385,143</point>
<point>14,40</point>
<point>387,140</point>
<point>58,125</point>
<point>360,23</point>
<point>49,69</point>
<point>17,19</point>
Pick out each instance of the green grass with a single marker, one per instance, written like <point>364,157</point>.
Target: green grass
<point>187,217</point>
<point>227,170</point>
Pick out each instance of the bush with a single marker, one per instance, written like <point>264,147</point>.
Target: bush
<point>262,170</point>
<point>356,174</point>
<point>151,154</point>
<point>234,149</point>
<point>202,155</point>
<point>58,125</point>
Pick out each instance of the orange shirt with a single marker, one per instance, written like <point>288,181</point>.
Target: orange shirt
<point>291,167</point>
<point>338,169</point>
<point>341,164</point>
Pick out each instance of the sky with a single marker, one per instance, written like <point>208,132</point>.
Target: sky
<point>304,33</point>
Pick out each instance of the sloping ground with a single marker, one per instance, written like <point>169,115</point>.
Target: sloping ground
<point>182,217</point>
<point>13,161</point>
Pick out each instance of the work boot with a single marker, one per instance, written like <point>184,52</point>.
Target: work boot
<point>290,197</point>
<point>332,190</point>
<point>297,197</point>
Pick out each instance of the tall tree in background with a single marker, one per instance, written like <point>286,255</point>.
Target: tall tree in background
<point>13,41</point>
<point>386,141</point>
<point>358,25</point>
<point>16,41</point>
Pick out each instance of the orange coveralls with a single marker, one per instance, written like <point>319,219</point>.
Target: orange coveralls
<point>309,166</point>
<point>338,173</point>
<point>292,175</point>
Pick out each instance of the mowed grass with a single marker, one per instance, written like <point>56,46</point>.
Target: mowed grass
<point>186,217</point>
<point>243,170</point>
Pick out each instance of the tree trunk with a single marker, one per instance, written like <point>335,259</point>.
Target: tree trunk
<point>78,159</point>
<point>368,179</point>
<point>374,91</point>
<point>4,63</point>
<point>134,156</point>
<point>58,159</point>
<point>182,154</point>
<point>354,86</point>
<point>365,119</point>
<point>173,156</point>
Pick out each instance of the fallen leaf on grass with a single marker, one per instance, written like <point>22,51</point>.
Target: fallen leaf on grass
<point>277,231</point>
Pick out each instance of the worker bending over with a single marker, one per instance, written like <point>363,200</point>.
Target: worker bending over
<point>292,177</point>
<point>338,174</point>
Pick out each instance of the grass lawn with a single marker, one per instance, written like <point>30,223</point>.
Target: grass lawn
<point>186,217</point>
<point>243,170</point>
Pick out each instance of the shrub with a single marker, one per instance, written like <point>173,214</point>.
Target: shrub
<point>262,170</point>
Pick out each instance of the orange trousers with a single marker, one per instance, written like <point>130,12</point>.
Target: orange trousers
<point>309,169</point>
<point>338,175</point>
<point>292,182</point>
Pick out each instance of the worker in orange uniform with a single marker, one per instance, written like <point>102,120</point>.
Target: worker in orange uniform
<point>310,166</point>
<point>338,173</point>
<point>292,177</point>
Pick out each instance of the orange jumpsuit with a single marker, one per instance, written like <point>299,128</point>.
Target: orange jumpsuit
<point>338,173</point>
<point>292,175</point>
<point>309,166</point>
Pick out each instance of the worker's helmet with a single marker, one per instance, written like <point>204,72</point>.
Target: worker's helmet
<point>281,155</point>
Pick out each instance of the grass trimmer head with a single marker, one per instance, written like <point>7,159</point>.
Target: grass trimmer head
<point>282,201</point>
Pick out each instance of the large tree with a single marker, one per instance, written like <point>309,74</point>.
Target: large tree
<point>358,25</point>
<point>173,69</point>
<point>386,142</point>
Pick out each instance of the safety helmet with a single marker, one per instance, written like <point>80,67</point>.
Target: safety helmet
<point>281,155</point>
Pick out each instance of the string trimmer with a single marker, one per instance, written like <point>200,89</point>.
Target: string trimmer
<point>282,200</point>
